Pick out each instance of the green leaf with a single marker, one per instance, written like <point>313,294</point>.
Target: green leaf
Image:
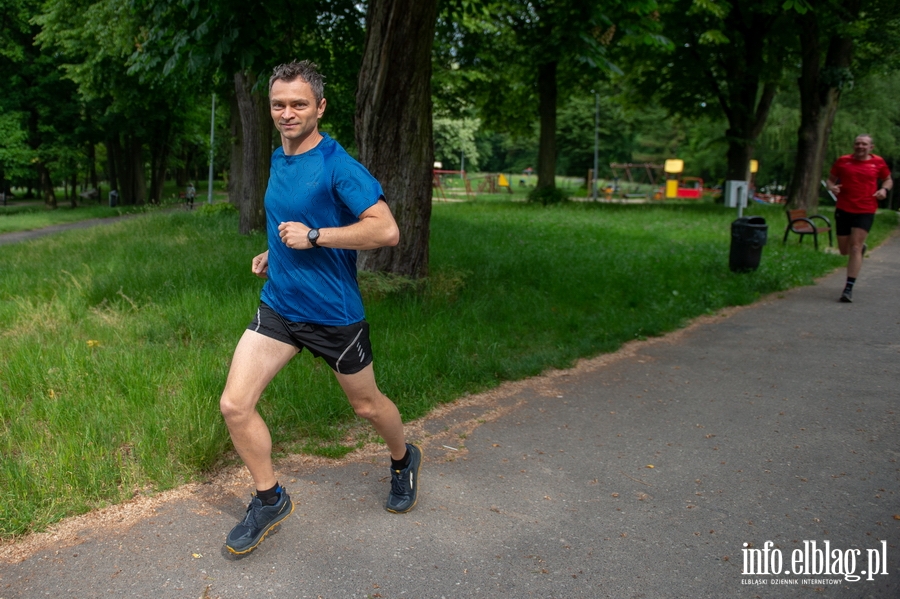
<point>713,37</point>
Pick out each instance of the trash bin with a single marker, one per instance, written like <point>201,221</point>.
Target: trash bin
<point>748,236</point>
<point>113,198</point>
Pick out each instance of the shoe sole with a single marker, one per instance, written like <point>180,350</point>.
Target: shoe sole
<point>416,500</point>
<point>269,529</point>
<point>845,300</point>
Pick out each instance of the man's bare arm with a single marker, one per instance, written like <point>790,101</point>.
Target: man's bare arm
<point>884,188</point>
<point>260,265</point>
<point>376,228</point>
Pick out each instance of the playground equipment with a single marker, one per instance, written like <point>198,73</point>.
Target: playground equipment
<point>678,186</point>
<point>648,167</point>
<point>493,183</point>
<point>632,171</point>
<point>690,187</point>
<point>437,182</point>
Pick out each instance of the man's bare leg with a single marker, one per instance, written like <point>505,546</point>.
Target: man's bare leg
<point>406,460</point>
<point>257,359</point>
<point>852,246</point>
<point>370,403</point>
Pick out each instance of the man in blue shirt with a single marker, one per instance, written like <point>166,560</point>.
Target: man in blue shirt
<point>321,207</point>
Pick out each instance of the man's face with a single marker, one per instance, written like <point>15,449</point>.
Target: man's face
<point>862,147</point>
<point>293,108</point>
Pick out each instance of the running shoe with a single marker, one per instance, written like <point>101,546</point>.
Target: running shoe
<point>260,519</point>
<point>847,296</point>
<point>405,483</point>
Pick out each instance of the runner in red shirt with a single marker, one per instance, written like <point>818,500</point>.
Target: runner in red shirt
<point>859,180</point>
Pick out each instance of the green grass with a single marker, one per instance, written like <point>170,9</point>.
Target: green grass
<point>115,341</point>
<point>27,215</point>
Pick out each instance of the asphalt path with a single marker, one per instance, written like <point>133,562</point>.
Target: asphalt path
<point>766,433</point>
<point>19,236</point>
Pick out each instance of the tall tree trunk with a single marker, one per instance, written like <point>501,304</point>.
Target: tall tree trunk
<point>47,190</point>
<point>394,125</point>
<point>547,109</point>
<point>134,182</point>
<point>236,167</point>
<point>181,172</point>
<point>159,158</point>
<point>256,125</point>
<point>113,160</point>
<point>92,179</point>
<point>74,182</point>
<point>746,121</point>
<point>820,94</point>
<point>743,94</point>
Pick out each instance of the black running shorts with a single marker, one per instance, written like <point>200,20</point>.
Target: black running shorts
<point>346,349</point>
<point>844,221</point>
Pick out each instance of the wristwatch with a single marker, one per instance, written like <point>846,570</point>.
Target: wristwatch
<point>313,237</point>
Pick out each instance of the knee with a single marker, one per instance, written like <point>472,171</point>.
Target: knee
<point>368,406</point>
<point>232,409</point>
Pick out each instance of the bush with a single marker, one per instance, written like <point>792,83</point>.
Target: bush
<point>218,208</point>
<point>547,195</point>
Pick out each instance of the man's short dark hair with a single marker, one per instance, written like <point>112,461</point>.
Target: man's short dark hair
<point>306,70</point>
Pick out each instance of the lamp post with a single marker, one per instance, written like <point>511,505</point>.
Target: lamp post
<point>212,151</point>
<point>596,145</point>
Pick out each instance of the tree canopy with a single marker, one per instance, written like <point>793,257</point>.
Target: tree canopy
<point>119,91</point>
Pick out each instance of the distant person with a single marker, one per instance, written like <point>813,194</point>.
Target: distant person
<point>189,195</point>
<point>859,180</point>
<point>321,206</point>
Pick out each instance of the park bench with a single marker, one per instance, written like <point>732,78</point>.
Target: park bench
<point>802,224</point>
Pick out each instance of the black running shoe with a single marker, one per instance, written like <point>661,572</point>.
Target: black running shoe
<point>405,483</point>
<point>260,519</point>
<point>847,296</point>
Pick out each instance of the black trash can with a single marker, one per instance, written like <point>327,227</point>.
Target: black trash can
<point>748,236</point>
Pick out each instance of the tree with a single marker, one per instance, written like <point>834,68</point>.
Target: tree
<point>394,125</point>
<point>454,141</point>
<point>524,50</point>
<point>36,90</point>
<point>725,57</point>
<point>829,31</point>
<point>15,155</point>
<point>93,41</point>
<point>236,44</point>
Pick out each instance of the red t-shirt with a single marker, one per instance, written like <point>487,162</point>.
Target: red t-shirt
<point>859,182</point>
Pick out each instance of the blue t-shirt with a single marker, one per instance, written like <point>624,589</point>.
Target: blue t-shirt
<point>323,187</point>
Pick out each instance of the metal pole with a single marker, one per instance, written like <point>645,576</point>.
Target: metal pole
<point>596,144</point>
<point>212,151</point>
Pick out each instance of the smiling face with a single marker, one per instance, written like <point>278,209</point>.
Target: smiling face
<point>862,147</point>
<point>296,114</point>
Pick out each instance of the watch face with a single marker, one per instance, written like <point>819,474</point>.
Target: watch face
<point>313,236</point>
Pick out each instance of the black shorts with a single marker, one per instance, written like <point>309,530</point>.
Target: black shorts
<point>844,221</point>
<point>346,349</point>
